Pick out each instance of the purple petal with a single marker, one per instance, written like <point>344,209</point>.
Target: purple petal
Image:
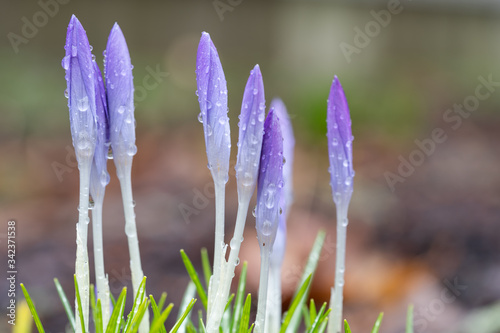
<point>339,144</point>
<point>212,96</point>
<point>279,245</point>
<point>120,92</point>
<point>99,176</point>
<point>251,131</point>
<point>81,90</point>
<point>288,148</point>
<point>270,182</point>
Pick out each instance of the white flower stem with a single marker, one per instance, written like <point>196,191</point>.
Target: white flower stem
<point>100,275</point>
<point>335,319</point>
<point>82,258</point>
<point>265,255</point>
<point>131,232</point>
<point>220,199</point>
<point>273,308</point>
<point>227,269</point>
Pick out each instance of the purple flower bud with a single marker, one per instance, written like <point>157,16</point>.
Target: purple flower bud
<point>212,96</point>
<point>288,148</point>
<point>251,131</point>
<point>339,144</point>
<point>120,93</point>
<point>99,176</point>
<point>270,182</point>
<point>81,90</point>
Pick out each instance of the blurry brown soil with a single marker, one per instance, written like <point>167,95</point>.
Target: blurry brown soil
<point>441,224</point>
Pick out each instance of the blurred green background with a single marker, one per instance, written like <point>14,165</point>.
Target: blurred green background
<point>403,65</point>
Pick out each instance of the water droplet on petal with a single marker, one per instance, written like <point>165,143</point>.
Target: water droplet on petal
<point>83,104</point>
<point>200,117</point>
<point>132,150</point>
<point>121,109</point>
<point>66,93</point>
<point>65,62</point>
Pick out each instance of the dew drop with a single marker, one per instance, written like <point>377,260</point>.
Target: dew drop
<point>254,211</point>
<point>255,91</point>
<point>247,179</point>
<point>93,57</point>
<point>200,117</point>
<point>128,119</point>
<point>261,117</point>
<point>110,153</point>
<point>345,163</point>
<point>123,72</point>
<point>271,191</point>
<point>74,50</point>
<point>66,93</point>
<point>121,109</point>
<point>222,120</point>
<point>132,150</point>
<point>83,104</point>
<point>267,228</point>
<point>65,62</point>
<point>104,178</point>
<point>91,202</point>
<point>335,142</point>
<point>237,262</point>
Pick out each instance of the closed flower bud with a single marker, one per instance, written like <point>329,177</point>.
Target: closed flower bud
<point>79,68</point>
<point>270,182</point>
<point>120,92</point>
<point>212,96</point>
<point>251,131</point>
<point>339,144</point>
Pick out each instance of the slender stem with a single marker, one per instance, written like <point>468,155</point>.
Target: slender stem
<point>335,320</point>
<point>273,308</point>
<point>220,198</point>
<point>100,275</point>
<point>227,272</point>
<point>133,242</point>
<point>82,258</point>
<point>264,277</point>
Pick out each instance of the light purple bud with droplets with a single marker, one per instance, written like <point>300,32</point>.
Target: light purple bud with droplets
<point>77,63</point>
<point>120,93</point>
<point>99,176</point>
<point>270,182</point>
<point>212,96</point>
<point>251,131</point>
<point>287,194</point>
<point>340,138</point>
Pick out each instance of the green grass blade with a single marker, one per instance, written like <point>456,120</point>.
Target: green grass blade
<point>139,298</point>
<point>245,316</point>
<point>65,303</point>
<point>79,302</point>
<point>318,317</point>
<point>31,306</point>
<point>376,327</point>
<point>191,329</point>
<point>136,320</point>
<point>347,329</point>
<point>115,321</point>
<point>189,294</point>
<point>250,329</point>
<point>113,300</point>
<point>307,317</point>
<point>194,277</point>
<point>324,324</point>
<point>184,315</point>
<point>238,303</point>
<point>205,263</point>
<point>227,317</point>
<point>409,319</point>
<point>201,327</point>
<point>296,303</point>
<point>98,318</point>
<point>312,310</point>
<point>310,268</point>
<point>161,302</point>
<point>156,318</point>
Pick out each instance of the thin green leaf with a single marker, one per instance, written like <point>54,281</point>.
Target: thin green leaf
<point>67,307</point>
<point>296,303</point>
<point>307,316</point>
<point>409,319</point>
<point>159,324</point>
<point>201,326</point>
<point>320,316</point>
<point>225,325</point>
<point>324,324</point>
<point>157,315</point>
<point>312,310</point>
<point>116,319</point>
<point>251,328</point>
<point>98,318</point>
<point>184,315</point>
<point>190,328</point>
<point>113,300</point>
<point>189,294</point>
<point>346,327</point>
<point>376,327</point>
<point>205,263</point>
<point>79,302</point>
<point>161,302</point>
<point>139,298</point>
<point>194,277</point>
<point>31,306</point>
<point>136,320</point>
<point>311,265</point>
<point>238,303</point>
<point>245,316</point>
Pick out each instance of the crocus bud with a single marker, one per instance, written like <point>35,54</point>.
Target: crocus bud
<point>99,176</point>
<point>270,182</point>
<point>251,131</point>
<point>81,91</point>
<point>287,193</point>
<point>339,144</point>
<point>212,96</point>
<point>120,92</point>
